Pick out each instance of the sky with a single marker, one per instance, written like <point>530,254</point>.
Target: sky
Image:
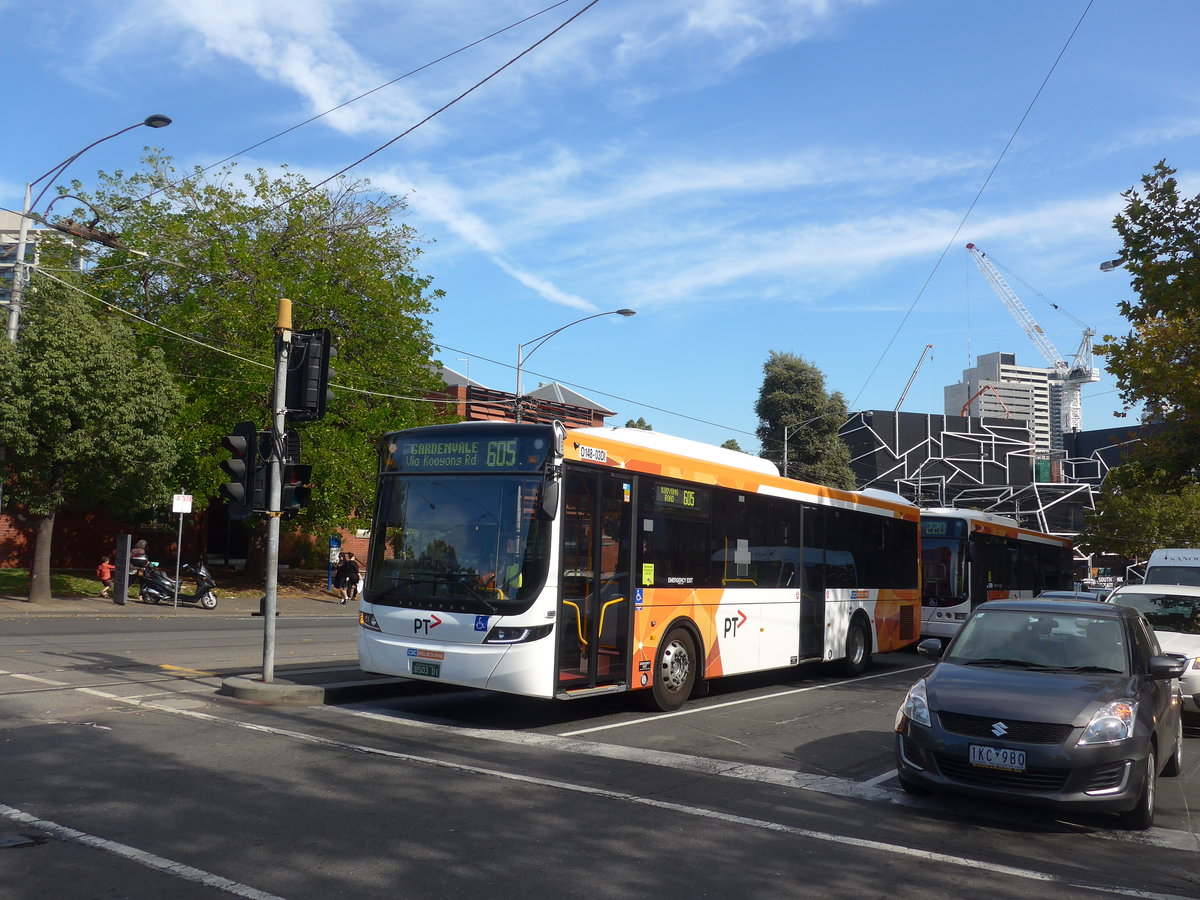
<point>750,176</point>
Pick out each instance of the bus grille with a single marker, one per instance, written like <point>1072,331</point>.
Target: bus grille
<point>1022,732</point>
<point>910,617</point>
<point>1036,779</point>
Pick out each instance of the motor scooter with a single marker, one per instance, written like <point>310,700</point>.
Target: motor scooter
<point>159,587</point>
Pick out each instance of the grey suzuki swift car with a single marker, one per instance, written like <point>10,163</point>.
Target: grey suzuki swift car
<point>1059,703</point>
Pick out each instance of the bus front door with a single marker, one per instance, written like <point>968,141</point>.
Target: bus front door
<point>594,609</point>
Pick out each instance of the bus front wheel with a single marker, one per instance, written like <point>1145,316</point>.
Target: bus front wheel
<point>858,648</point>
<point>674,670</point>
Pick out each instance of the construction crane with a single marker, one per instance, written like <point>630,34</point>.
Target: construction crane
<point>912,377</point>
<point>979,393</point>
<point>1072,376</point>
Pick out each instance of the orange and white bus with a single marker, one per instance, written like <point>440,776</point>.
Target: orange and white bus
<point>556,563</point>
<point>969,557</point>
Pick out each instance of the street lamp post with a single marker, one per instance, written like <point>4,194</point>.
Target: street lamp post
<point>18,280</point>
<point>788,429</point>
<point>542,338</point>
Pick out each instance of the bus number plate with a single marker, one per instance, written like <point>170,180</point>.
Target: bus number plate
<point>998,758</point>
<point>428,669</point>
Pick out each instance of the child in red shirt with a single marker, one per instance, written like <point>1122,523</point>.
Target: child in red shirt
<point>104,572</point>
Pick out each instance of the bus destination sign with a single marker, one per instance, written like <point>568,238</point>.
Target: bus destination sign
<point>469,454</point>
<point>934,527</point>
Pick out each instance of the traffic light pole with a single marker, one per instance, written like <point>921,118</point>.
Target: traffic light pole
<point>283,346</point>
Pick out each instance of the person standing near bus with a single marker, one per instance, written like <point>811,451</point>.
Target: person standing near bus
<point>338,584</point>
<point>350,578</point>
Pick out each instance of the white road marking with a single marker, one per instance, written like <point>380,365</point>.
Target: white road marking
<point>36,678</point>
<point>680,808</point>
<point>693,710</point>
<point>880,779</point>
<point>149,860</point>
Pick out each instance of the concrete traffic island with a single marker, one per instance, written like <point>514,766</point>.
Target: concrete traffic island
<point>273,692</point>
<point>315,686</point>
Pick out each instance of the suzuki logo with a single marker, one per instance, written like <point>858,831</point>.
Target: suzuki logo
<point>999,729</point>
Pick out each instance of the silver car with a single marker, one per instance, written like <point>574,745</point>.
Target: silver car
<point>1173,611</point>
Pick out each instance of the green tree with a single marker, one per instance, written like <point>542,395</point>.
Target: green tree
<point>87,419</point>
<point>209,259</point>
<point>1156,363</point>
<point>640,423</point>
<point>732,444</point>
<point>793,397</point>
<point>1139,510</point>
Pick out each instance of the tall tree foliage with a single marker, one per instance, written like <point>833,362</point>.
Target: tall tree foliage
<point>210,256</point>
<point>1157,362</point>
<point>793,396</point>
<point>1154,501</point>
<point>1138,511</point>
<point>87,418</point>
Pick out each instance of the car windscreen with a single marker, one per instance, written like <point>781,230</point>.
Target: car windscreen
<point>1012,638</point>
<point>1165,611</point>
<point>1189,575</point>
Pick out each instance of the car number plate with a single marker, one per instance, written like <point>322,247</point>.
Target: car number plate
<point>998,758</point>
<point>428,669</point>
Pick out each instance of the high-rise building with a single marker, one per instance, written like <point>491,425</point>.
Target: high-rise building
<point>999,388</point>
<point>10,225</point>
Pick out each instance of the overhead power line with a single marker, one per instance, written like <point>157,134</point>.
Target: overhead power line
<point>363,95</point>
<point>962,222</point>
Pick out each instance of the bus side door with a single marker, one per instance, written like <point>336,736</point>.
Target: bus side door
<point>595,601</point>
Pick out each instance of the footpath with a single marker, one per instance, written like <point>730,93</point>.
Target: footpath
<point>316,684</point>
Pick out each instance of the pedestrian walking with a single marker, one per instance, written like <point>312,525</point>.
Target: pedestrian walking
<point>339,583</point>
<point>350,578</point>
<point>104,572</point>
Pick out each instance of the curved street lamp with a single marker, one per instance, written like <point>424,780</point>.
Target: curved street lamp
<point>18,280</point>
<point>542,338</point>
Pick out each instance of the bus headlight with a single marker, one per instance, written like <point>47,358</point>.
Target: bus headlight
<point>517,634</point>
<point>367,620</point>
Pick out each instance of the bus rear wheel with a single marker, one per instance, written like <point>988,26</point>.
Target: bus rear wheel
<point>858,648</point>
<point>674,670</point>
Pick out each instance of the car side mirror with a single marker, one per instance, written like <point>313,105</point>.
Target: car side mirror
<point>1167,666</point>
<point>930,648</point>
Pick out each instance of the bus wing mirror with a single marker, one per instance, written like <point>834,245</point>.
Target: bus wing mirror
<point>549,507</point>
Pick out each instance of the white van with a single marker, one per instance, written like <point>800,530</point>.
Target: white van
<point>1178,565</point>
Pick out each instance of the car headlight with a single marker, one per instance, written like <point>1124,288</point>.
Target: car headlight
<point>1111,724</point>
<point>915,706</point>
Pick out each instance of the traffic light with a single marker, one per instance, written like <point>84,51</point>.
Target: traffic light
<point>242,466</point>
<point>307,391</point>
<point>295,489</point>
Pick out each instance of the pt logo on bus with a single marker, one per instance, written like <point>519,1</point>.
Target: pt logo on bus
<point>423,626</point>
<point>733,623</point>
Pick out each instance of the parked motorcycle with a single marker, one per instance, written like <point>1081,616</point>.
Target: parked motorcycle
<point>159,587</point>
